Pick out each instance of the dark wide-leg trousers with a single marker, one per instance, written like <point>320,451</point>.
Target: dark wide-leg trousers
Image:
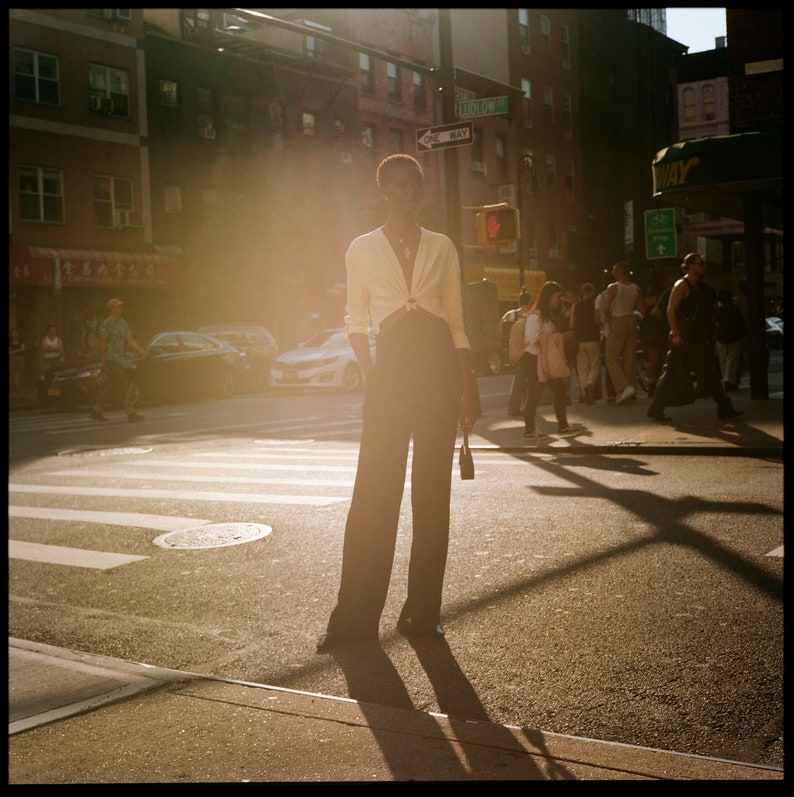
<point>412,393</point>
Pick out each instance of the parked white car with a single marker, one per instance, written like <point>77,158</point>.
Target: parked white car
<point>326,359</point>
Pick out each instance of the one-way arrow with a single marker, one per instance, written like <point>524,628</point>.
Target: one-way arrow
<point>455,135</point>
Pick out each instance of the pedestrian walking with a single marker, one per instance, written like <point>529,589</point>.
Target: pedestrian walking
<point>731,333</point>
<point>692,316</point>
<point>404,280</point>
<point>16,365</point>
<point>114,338</point>
<point>586,326</point>
<point>622,299</point>
<point>543,360</point>
<point>518,388</point>
<point>654,330</point>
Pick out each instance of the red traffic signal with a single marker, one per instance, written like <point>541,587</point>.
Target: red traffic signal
<point>498,225</point>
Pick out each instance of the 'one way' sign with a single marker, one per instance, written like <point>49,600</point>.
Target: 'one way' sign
<point>456,135</point>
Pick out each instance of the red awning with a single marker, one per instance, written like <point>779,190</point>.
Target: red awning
<point>90,268</point>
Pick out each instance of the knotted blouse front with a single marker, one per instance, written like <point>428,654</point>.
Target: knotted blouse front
<point>376,285</point>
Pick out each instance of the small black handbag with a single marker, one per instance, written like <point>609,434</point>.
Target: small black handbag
<point>466,461</point>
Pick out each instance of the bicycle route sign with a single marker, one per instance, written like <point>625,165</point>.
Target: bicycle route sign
<point>660,233</point>
<point>455,135</point>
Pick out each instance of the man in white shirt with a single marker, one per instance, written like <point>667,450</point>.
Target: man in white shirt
<point>622,299</point>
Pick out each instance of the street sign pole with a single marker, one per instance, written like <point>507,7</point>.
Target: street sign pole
<point>451,185</point>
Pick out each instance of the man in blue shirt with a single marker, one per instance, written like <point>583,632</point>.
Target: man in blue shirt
<point>115,337</point>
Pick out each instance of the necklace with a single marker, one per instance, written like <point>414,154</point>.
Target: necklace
<point>407,251</point>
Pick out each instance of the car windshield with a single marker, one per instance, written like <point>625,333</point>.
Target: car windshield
<point>328,337</point>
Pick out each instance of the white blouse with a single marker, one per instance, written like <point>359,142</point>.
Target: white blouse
<point>376,285</point>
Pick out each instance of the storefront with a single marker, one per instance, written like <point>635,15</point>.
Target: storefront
<point>70,288</point>
<point>739,177</point>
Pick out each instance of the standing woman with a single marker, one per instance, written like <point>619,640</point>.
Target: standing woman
<point>16,365</point>
<point>546,319</point>
<point>51,348</point>
<point>404,281</point>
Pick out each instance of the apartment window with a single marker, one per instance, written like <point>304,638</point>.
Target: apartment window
<point>476,144</point>
<point>172,198</point>
<point>567,115</point>
<point>420,91</point>
<point>169,105</point>
<point>195,21</point>
<point>554,247</point>
<point>109,91</point>
<point>110,195</point>
<point>114,14</point>
<point>565,46</point>
<point>309,124</point>
<point>41,194</point>
<point>545,34</point>
<point>315,48</point>
<point>395,140</point>
<point>569,180</point>
<point>690,113</point>
<point>366,75</point>
<point>368,136</point>
<point>205,101</point>
<point>548,104</point>
<point>393,81</point>
<point>526,102</point>
<point>500,150</point>
<point>707,96</point>
<point>36,77</point>
<point>523,29</point>
<point>551,170</point>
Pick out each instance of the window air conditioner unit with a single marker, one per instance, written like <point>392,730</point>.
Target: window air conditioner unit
<point>128,218</point>
<point>479,167</point>
<point>208,132</point>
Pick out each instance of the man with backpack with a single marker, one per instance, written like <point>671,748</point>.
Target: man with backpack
<point>512,331</point>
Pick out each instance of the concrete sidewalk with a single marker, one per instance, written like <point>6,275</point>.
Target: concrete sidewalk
<point>80,718</point>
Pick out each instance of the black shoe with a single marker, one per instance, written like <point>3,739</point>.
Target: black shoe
<point>657,413</point>
<point>97,416</point>
<point>133,417</point>
<point>413,630</point>
<point>329,640</point>
<point>731,413</point>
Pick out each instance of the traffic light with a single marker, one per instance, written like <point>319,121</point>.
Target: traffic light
<point>498,225</point>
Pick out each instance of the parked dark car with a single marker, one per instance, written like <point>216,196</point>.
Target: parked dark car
<point>180,365</point>
<point>258,344</point>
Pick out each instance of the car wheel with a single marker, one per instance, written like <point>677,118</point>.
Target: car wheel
<point>352,378</point>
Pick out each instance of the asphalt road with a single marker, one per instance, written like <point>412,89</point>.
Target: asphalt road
<point>623,597</point>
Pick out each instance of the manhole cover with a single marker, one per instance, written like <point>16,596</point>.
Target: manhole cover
<point>214,535</point>
<point>103,452</point>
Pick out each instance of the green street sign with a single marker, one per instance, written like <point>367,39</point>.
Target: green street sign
<point>490,106</point>
<point>660,233</point>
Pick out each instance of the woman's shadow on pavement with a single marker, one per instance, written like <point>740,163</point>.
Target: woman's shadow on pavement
<point>374,682</point>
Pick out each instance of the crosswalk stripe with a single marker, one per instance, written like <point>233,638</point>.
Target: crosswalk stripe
<point>135,519</point>
<point>178,495</point>
<point>213,477</point>
<point>74,557</point>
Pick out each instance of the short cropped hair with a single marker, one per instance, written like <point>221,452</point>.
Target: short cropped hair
<point>398,159</point>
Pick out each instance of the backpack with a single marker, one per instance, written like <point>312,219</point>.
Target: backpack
<point>516,345</point>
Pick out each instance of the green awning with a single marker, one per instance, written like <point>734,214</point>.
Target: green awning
<point>716,174</point>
